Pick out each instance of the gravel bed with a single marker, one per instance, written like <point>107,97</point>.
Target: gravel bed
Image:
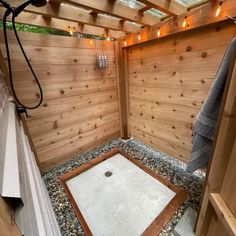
<point>158,161</point>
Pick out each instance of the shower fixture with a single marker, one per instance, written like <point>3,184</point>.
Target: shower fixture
<point>15,12</point>
<point>102,61</point>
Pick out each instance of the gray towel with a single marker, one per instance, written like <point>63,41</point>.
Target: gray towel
<point>206,120</point>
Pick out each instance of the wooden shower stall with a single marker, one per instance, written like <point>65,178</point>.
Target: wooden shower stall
<point>160,70</point>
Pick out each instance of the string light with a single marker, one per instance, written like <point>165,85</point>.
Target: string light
<point>219,8</point>
<point>158,32</point>
<point>91,42</point>
<point>69,30</point>
<point>125,43</point>
<point>108,38</point>
<point>139,37</point>
<point>184,22</point>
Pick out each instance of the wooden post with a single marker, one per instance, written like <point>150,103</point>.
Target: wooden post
<point>123,90</point>
<point>222,158</point>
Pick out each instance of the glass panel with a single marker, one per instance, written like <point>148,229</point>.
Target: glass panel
<point>156,13</point>
<point>188,3</point>
<point>134,24</point>
<point>109,16</point>
<point>131,3</point>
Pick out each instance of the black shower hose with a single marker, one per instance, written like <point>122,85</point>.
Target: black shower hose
<point>7,13</point>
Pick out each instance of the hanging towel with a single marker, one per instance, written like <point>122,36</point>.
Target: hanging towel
<point>206,120</point>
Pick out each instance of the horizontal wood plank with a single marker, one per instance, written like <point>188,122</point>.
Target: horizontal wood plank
<point>80,107</point>
<point>169,80</point>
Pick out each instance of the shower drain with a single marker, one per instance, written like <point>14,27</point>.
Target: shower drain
<point>108,174</point>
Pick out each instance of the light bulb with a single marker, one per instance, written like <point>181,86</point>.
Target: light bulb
<point>219,8</point>
<point>91,42</point>
<point>125,43</point>
<point>139,37</point>
<point>69,30</point>
<point>185,22</point>
<point>158,32</point>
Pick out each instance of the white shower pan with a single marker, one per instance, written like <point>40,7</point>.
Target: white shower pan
<point>116,195</point>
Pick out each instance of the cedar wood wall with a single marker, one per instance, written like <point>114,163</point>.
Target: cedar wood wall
<point>168,82</point>
<point>80,107</point>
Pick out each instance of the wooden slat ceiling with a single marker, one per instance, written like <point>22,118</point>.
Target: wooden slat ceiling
<point>113,18</point>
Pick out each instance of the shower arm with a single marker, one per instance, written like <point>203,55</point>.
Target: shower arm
<point>21,7</point>
<point>6,5</point>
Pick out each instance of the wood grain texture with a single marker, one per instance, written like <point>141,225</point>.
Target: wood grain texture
<point>8,226</point>
<point>122,81</point>
<point>80,108</point>
<point>158,223</point>
<point>224,213</point>
<point>220,194</point>
<point>168,82</point>
<point>197,18</point>
<point>113,8</point>
<point>75,14</point>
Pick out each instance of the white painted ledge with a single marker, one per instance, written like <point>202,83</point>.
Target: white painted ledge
<point>37,216</point>
<point>20,178</point>
<point>9,181</point>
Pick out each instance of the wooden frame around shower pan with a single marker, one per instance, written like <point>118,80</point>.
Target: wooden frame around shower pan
<point>160,221</point>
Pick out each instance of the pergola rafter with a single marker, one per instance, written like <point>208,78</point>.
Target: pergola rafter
<point>197,18</point>
<point>108,18</point>
<point>171,8</point>
<point>54,23</point>
<point>74,14</point>
<point>111,8</point>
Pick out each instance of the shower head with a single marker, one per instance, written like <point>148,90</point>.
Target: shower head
<point>36,3</point>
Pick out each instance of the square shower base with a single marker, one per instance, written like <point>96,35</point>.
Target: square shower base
<point>114,194</point>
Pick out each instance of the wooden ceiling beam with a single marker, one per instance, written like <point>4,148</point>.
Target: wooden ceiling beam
<point>94,16</point>
<point>74,14</point>
<point>111,8</point>
<point>53,23</point>
<point>170,7</point>
<point>146,8</point>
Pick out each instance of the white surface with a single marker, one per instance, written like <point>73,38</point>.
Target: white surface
<point>36,217</point>
<point>125,203</point>
<point>10,181</point>
<point>186,224</point>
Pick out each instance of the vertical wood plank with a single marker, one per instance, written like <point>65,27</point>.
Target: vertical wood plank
<point>122,77</point>
<point>7,225</point>
<point>223,156</point>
